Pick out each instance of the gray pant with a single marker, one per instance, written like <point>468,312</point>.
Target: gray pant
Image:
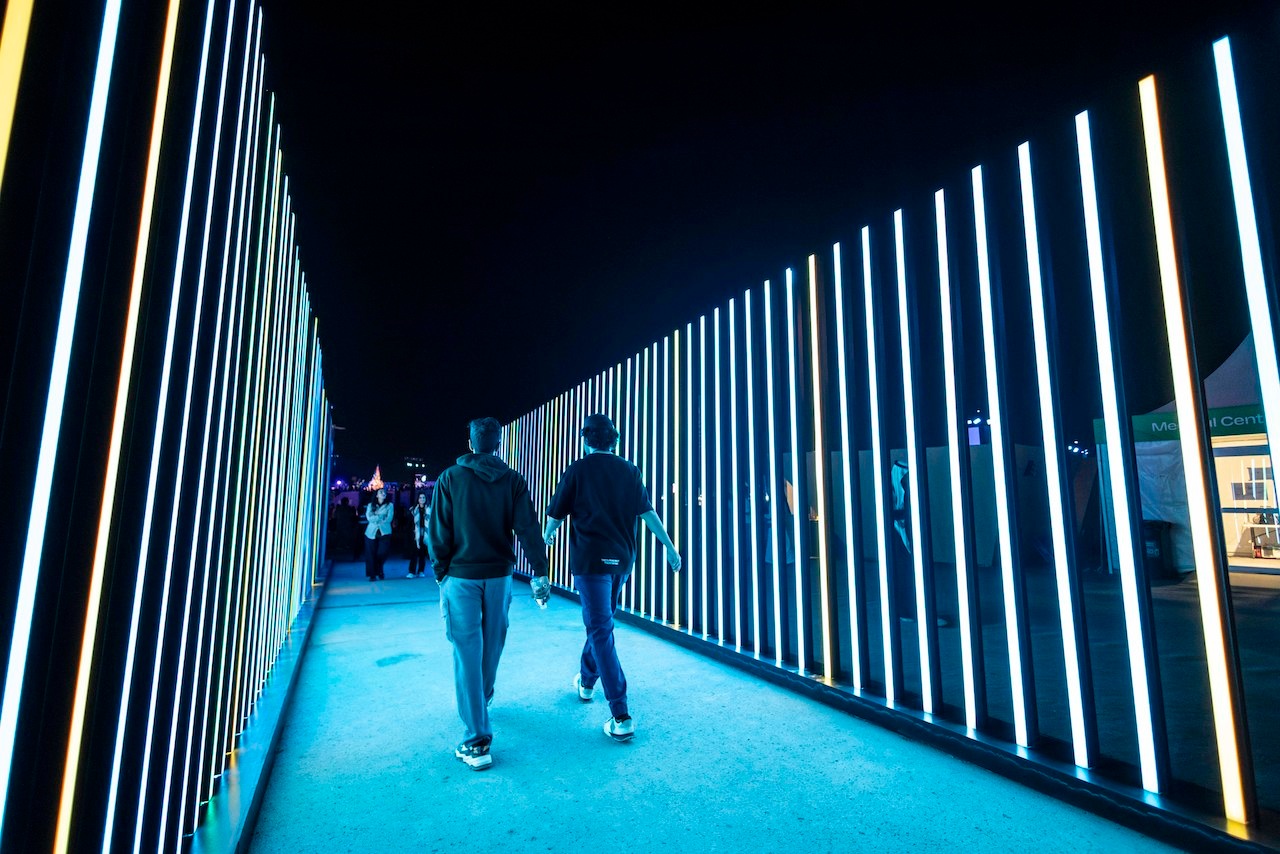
<point>475,622</point>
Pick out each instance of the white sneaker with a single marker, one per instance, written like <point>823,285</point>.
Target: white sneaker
<point>476,756</point>
<point>620,729</point>
<point>585,694</point>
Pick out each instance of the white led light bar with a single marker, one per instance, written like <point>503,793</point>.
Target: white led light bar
<point>1054,478</point>
<point>753,504</point>
<point>955,448</point>
<point>1000,467</point>
<point>775,526</point>
<point>689,491</point>
<point>914,463</point>
<point>715,315</point>
<point>847,456</point>
<point>1257,288</point>
<point>878,467</point>
<point>703,498</point>
<point>793,383</point>
<point>734,511</point>
<point>1116,473</point>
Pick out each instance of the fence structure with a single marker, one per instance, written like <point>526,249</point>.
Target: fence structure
<point>165,426</point>
<point>909,469</point>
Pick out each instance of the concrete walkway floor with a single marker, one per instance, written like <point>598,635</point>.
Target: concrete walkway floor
<point>721,761</point>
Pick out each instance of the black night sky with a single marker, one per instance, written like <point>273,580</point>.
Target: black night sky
<point>493,207</point>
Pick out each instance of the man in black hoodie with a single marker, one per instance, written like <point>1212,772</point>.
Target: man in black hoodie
<point>478,506</point>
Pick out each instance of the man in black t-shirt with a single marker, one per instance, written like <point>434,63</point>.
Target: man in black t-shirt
<point>605,495</point>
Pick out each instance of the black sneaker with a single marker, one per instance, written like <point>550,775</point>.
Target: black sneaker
<point>476,756</point>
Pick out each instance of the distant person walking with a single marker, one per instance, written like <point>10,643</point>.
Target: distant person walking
<point>479,506</point>
<point>605,495</point>
<point>344,529</point>
<point>418,560</point>
<point>377,535</point>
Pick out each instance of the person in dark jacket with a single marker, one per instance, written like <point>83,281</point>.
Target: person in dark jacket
<point>606,496</point>
<point>479,506</point>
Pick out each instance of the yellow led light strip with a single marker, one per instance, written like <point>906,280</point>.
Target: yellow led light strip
<point>75,738</point>
<point>13,47</point>
<point>1209,566</point>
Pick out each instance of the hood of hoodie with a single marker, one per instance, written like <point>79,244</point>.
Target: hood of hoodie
<point>488,467</point>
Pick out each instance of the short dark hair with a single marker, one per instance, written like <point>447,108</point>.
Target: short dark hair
<point>599,432</point>
<point>485,435</point>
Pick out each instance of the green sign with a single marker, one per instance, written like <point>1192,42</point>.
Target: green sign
<point>1163,426</point>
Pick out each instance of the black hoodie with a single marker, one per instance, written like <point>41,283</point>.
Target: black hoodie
<point>477,506</point>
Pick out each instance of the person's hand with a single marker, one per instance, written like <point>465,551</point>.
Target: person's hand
<point>548,539</point>
<point>541,586</point>
<point>673,559</point>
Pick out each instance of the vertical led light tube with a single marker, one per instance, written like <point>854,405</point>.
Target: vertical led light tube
<point>196,327</point>
<point>914,463</point>
<point>715,322</point>
<point>162,408</point>
<point>793,383</point>
<point>46,456</point>
<point>252,552</point>
<point>673,423</point>
<point>820,469</point>
<point>1054,479</point>
<point>659,478</point>
<point>12,48</point>
<point>852,558</point>
<point>619,392</point>
<point>252,541</point>
<point>660,564</point>
<point>646,452</point>
<point>720,487</point>
<point>551,443</point>
<point>753,504</point>
<point>227,554</point>
<point>629,409</point>
<point>634,456</point>
<point>703,498</point>
<point>1118,480</point>
<point>689,491</point>
<point>775,526</point>
<point>260,515</point>
<point>235,203</point>
<point>559,438</point>
<point>1224,691</point>
<point>1256,287</point>
<point>572,451</point>
<point>734,512</point>
<point>955,448</point>
<point>878,466</point>
<point>1000,465</point>
<point>720,483</point>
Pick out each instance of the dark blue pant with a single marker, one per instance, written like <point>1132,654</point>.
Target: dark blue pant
<point>599,594</point>
<point>418,561</point>
<point>376,550</point>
